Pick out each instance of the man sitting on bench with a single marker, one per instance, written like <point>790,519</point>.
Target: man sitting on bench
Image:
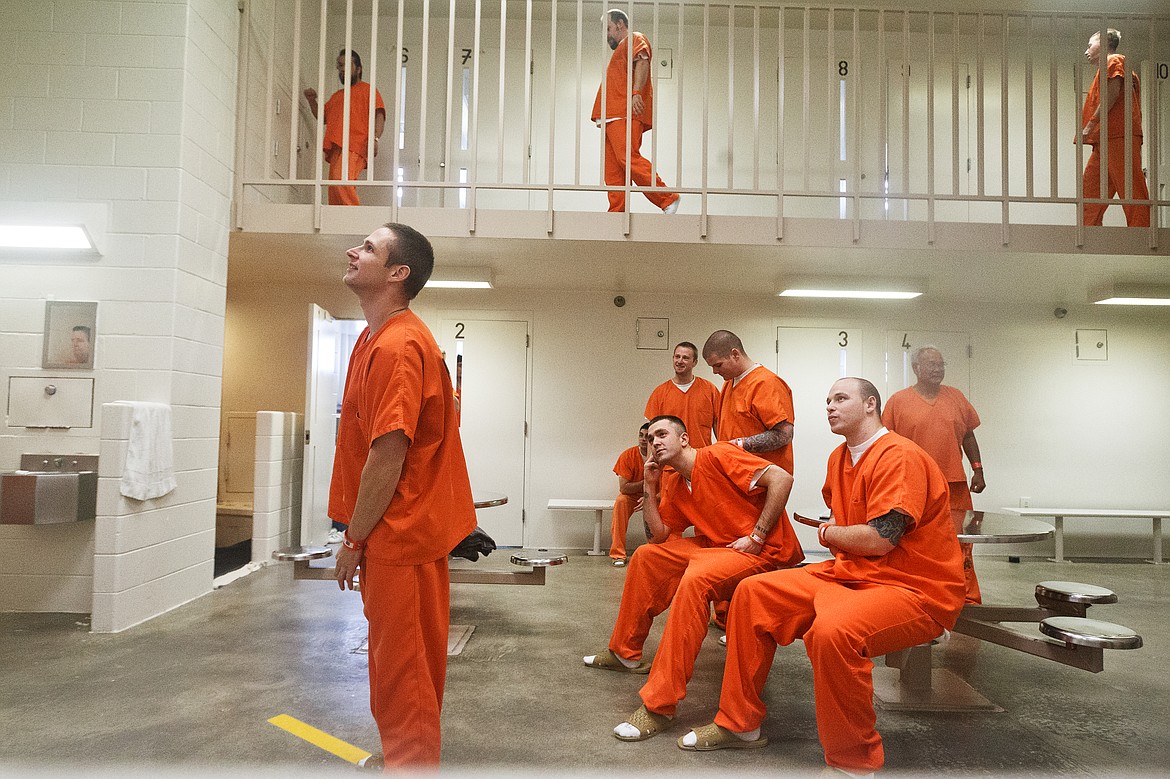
<point>628,469</point>
<point>735,500</point>
<point>895,580</point>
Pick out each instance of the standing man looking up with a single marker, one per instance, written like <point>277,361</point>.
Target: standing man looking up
<point>692,399</point>
<point>1110,102</point>
<point>942,421</point>
<point>895,580</point>
<point>400,483</point>
<point>615,110</point>
<point>359,127</point>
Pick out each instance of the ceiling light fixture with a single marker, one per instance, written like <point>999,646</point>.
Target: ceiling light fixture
<point>461,278</point>
<point>60,237</point>
<point>1131,295</point>
<point>850,288</point>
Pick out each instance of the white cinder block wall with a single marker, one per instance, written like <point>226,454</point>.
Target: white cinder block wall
<point>121,115</point>
<point>276,502</point>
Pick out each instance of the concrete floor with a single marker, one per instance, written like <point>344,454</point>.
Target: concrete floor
<point>191,691</point>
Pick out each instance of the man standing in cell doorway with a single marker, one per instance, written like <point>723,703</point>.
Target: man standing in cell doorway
<point>629,470</point>
<point>942,421</point>
<point>691,398</point>
<point>359,128</point>
<point>1111,103</point>
<point>617,111</point>
<point>400,484</point>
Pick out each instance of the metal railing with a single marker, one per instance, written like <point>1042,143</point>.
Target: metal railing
<point>760,109</point>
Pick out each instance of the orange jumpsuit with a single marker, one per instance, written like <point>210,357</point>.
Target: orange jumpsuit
<point>697,407</point>
<point>1094,213</point>
<point>686,574</point>
<point>851,608</point>
<point>397,381</point>
<point>359,135</point>
<point>758,402</point>
<point>939,427</point>
<point>614,124</point>
<point>629,466</point>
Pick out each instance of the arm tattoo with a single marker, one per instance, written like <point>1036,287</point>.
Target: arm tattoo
<point>891,526</point>
<point>769,440</point>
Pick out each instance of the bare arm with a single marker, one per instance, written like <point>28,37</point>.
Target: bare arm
<point>769,440</point>
<point>778,483</point>
<point>379,126</point>
<point>641,76</point>
<point>873,539</point>
<point>656,530</point>
<point>379,480</point>
<point>627,487</point>
<point>311,96</point>
<point>971,449</point>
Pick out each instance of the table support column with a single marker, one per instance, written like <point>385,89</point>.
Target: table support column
<point>597,550</point>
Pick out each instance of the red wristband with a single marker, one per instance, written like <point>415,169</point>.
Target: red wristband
<point>349,543</point>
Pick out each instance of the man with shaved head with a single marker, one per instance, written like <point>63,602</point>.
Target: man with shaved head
<point>755,409</point>
<point>895,580</point>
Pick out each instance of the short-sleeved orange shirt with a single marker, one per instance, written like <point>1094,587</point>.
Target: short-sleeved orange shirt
<point>1115,69</point>
<point>698,408</point>
<point>630,464</point>
<point>397,381</point>
<point>760,401</point>
<point>359,118</point>
<point>721,503</point>
<point>939,427</point>
<point>615,82</point>
<point>896,474</point>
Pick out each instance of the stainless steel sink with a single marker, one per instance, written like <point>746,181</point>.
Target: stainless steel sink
<point>53,490</point>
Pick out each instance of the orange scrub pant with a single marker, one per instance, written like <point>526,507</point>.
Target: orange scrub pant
<point>1094,213</point>
<point>961,501</point>
<point>623,509</point>
<point>409,611</point>
<point>684,576</point>
<point>615,165</point>
<point>843,625</point>
<point>344,196</point>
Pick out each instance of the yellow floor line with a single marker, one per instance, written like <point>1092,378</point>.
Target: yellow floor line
<point>320,738</point>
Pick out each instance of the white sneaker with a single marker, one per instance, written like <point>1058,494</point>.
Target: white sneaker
<point>673,207</point>
<point>334,536</point>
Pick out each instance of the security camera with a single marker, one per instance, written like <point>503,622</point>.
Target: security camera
<point>619,301</point>
<point>1060,313</point>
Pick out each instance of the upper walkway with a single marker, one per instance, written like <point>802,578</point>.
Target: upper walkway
<point>779,124</point>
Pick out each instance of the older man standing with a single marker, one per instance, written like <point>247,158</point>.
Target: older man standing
<point>400,483</point>
<point>942,421</point>
<point>895,581</point>
<point>617,112</point>
<point>735,501</point>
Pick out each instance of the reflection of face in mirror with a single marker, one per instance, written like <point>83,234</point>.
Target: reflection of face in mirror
<point>80,343</point>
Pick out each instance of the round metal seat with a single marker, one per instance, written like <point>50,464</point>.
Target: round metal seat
<point>1074,592</point>
<point>1090,632</point>
<point>541,558</point>
<point>299,554</point>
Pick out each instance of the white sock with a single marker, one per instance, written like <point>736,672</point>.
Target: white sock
<point>626,729</point>
<point>588,659</point>
<point>690,739</point>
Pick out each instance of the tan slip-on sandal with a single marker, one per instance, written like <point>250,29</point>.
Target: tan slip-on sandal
<point>711,737</point>
<point>647,722</point>
<point>608,661</point>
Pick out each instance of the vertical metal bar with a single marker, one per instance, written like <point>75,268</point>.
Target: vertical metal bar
<point>445,164</point>
<point>731,96</point>
<point>1103,119</point>
<point>294,125</point>
<point>371,111</point>
<point>832,100</point>
<point>528,66</point>
<point>424,103</point>
<point>1029,140</point>
<point>884,97</point>
<point>629,114</point>
<point>500,101</point>
<point>577,123</point>
<point>955,104</point>
<point>756,97</point>
<point>347,97</point>
<point>1003,127</point>
<point>806,89</point>
<point>780,151</point>
<point>981,149</point>
<point>552,112</point>
<point>1153,131</point>
<point>930,56</point>
<point>654,89</point>
<point>906,188</point>
<point>1053,115</point>
<point>678,145</point>
<point>472,212</point>
<point>1079,221</point>
<point>320,117</point>
<point>398,109</point>
<point>240,157</point>
<point>706,115</point>
<point>855,147</point>
<point>269,115</point>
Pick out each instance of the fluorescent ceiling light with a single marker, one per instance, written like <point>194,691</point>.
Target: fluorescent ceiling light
<point>1131,295</point>
<point>45,237</point>
<point>461,278</point>
<point>872,294</point>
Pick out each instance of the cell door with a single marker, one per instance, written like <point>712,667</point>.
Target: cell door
<point>322,405</point>
<point>810,359</point>
<point>489,364</point>
<point>956,352</point>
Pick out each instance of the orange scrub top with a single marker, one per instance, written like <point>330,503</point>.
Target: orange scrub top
<point>896,474</point>
<point>760,401</point>
<point>397,381</point>
<point>1115,69</point>
<point>615,83</point>
<point>698,408</point>
<point>630,464</point>
<point>722,504</point>
<point>359,118</point>
<point>939,427</point>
